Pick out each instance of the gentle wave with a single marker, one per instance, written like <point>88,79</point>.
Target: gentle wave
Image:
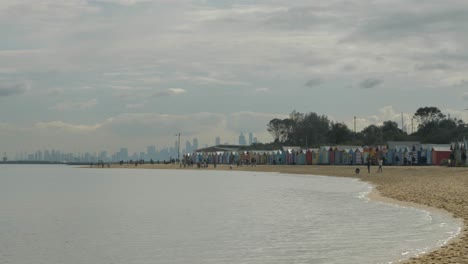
<point>58,214</point>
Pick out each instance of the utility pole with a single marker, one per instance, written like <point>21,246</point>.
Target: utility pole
<point>412,126</point>
<point>402,124</point>
<point>354,124</point>
<point>178,147</point>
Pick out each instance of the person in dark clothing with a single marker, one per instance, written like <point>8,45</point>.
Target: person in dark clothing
<point>452,160</point>
<point>368,165</point>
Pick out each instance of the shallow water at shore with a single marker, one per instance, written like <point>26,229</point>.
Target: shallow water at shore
<point>57,214</point>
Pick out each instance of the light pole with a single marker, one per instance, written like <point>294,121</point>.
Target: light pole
<point>302,141</point>
<point>402,123</point>
<point>412,125</point>
<point>178,147</point>
<point>354,124</point>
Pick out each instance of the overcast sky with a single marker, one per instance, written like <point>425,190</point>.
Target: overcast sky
<point>88,75</point>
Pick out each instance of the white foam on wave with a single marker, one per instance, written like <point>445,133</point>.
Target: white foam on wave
<point>428,216</point>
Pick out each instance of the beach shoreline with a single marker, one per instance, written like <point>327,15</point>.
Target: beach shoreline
<point>375,195</point>
<point>429,188</point>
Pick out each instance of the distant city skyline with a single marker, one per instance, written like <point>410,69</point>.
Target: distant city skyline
<point>53,155</point>
<point>152,152</point>
<point>82,75</point>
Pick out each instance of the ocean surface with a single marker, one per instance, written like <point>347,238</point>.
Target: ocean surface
<point>66,215</point>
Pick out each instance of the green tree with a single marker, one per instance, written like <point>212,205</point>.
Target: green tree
<point>391,132</point>
<point>339,134</point>
<point>311,129</point>
<point>315,129</point>
<point>280,129</point>
<point>274,127</point>
<point>372,135</point>
<point>427,115</point>
<point>301,129</point>
<point>435,127</point>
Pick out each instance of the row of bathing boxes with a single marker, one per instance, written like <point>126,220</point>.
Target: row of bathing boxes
<point>394,153</point>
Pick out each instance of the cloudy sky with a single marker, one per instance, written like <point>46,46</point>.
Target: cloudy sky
<point>86,75</point>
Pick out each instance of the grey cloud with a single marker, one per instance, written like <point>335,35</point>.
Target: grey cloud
<point>411,24</point>
<point>5,127</point>
<point>273,17</point>
<point>123,2</point>
<point>465,96</point>
<point>8,89</point>
<point>128,91</point>
<point>262,90</point>
<point>299,18</point>
<point>150,124</point>
<point>65,106</point>
<point>457,56</point>
<point>313,82</point>
<point>135,106</point>
<point>349,67</point>
<point>380,58</point>
<point>212,81</point>
<point>371,83</point>
<point>54,92</point>
<point>250,121</point>
<point>433,66</point>
<point>60,125</point>
<point>169,92</point>
<point>162,94</point>
<point>462,84</point>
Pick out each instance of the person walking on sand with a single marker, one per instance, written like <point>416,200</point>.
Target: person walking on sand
<point>380,165</point>
<point>368,165</point>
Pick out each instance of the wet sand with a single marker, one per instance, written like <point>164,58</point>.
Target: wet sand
<point>439,187</point>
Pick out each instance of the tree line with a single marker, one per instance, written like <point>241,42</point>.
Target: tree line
<point>313,130</point>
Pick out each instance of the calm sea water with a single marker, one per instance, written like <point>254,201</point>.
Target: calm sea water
<point>65,215</point>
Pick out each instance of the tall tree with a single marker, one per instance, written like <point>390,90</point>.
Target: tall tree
<point>274,127</point>
<point>372,135</point>
<point>297,128</point>
<point>316,129</point>
<point>435,127</point>
<point>339,133</point>
<point>280,129</point>
<point>391,132</point>
<point>311,129</point>
<point>426,115</point>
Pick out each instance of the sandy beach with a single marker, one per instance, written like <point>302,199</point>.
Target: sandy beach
<point>438,187</point>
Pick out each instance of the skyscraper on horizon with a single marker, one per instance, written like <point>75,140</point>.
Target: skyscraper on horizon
<point>218,141</point>
<point>195,144</point>
<point>151,152</point>
<point>188,147</point>
<point>242,141</point>
<point>123,154</point>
